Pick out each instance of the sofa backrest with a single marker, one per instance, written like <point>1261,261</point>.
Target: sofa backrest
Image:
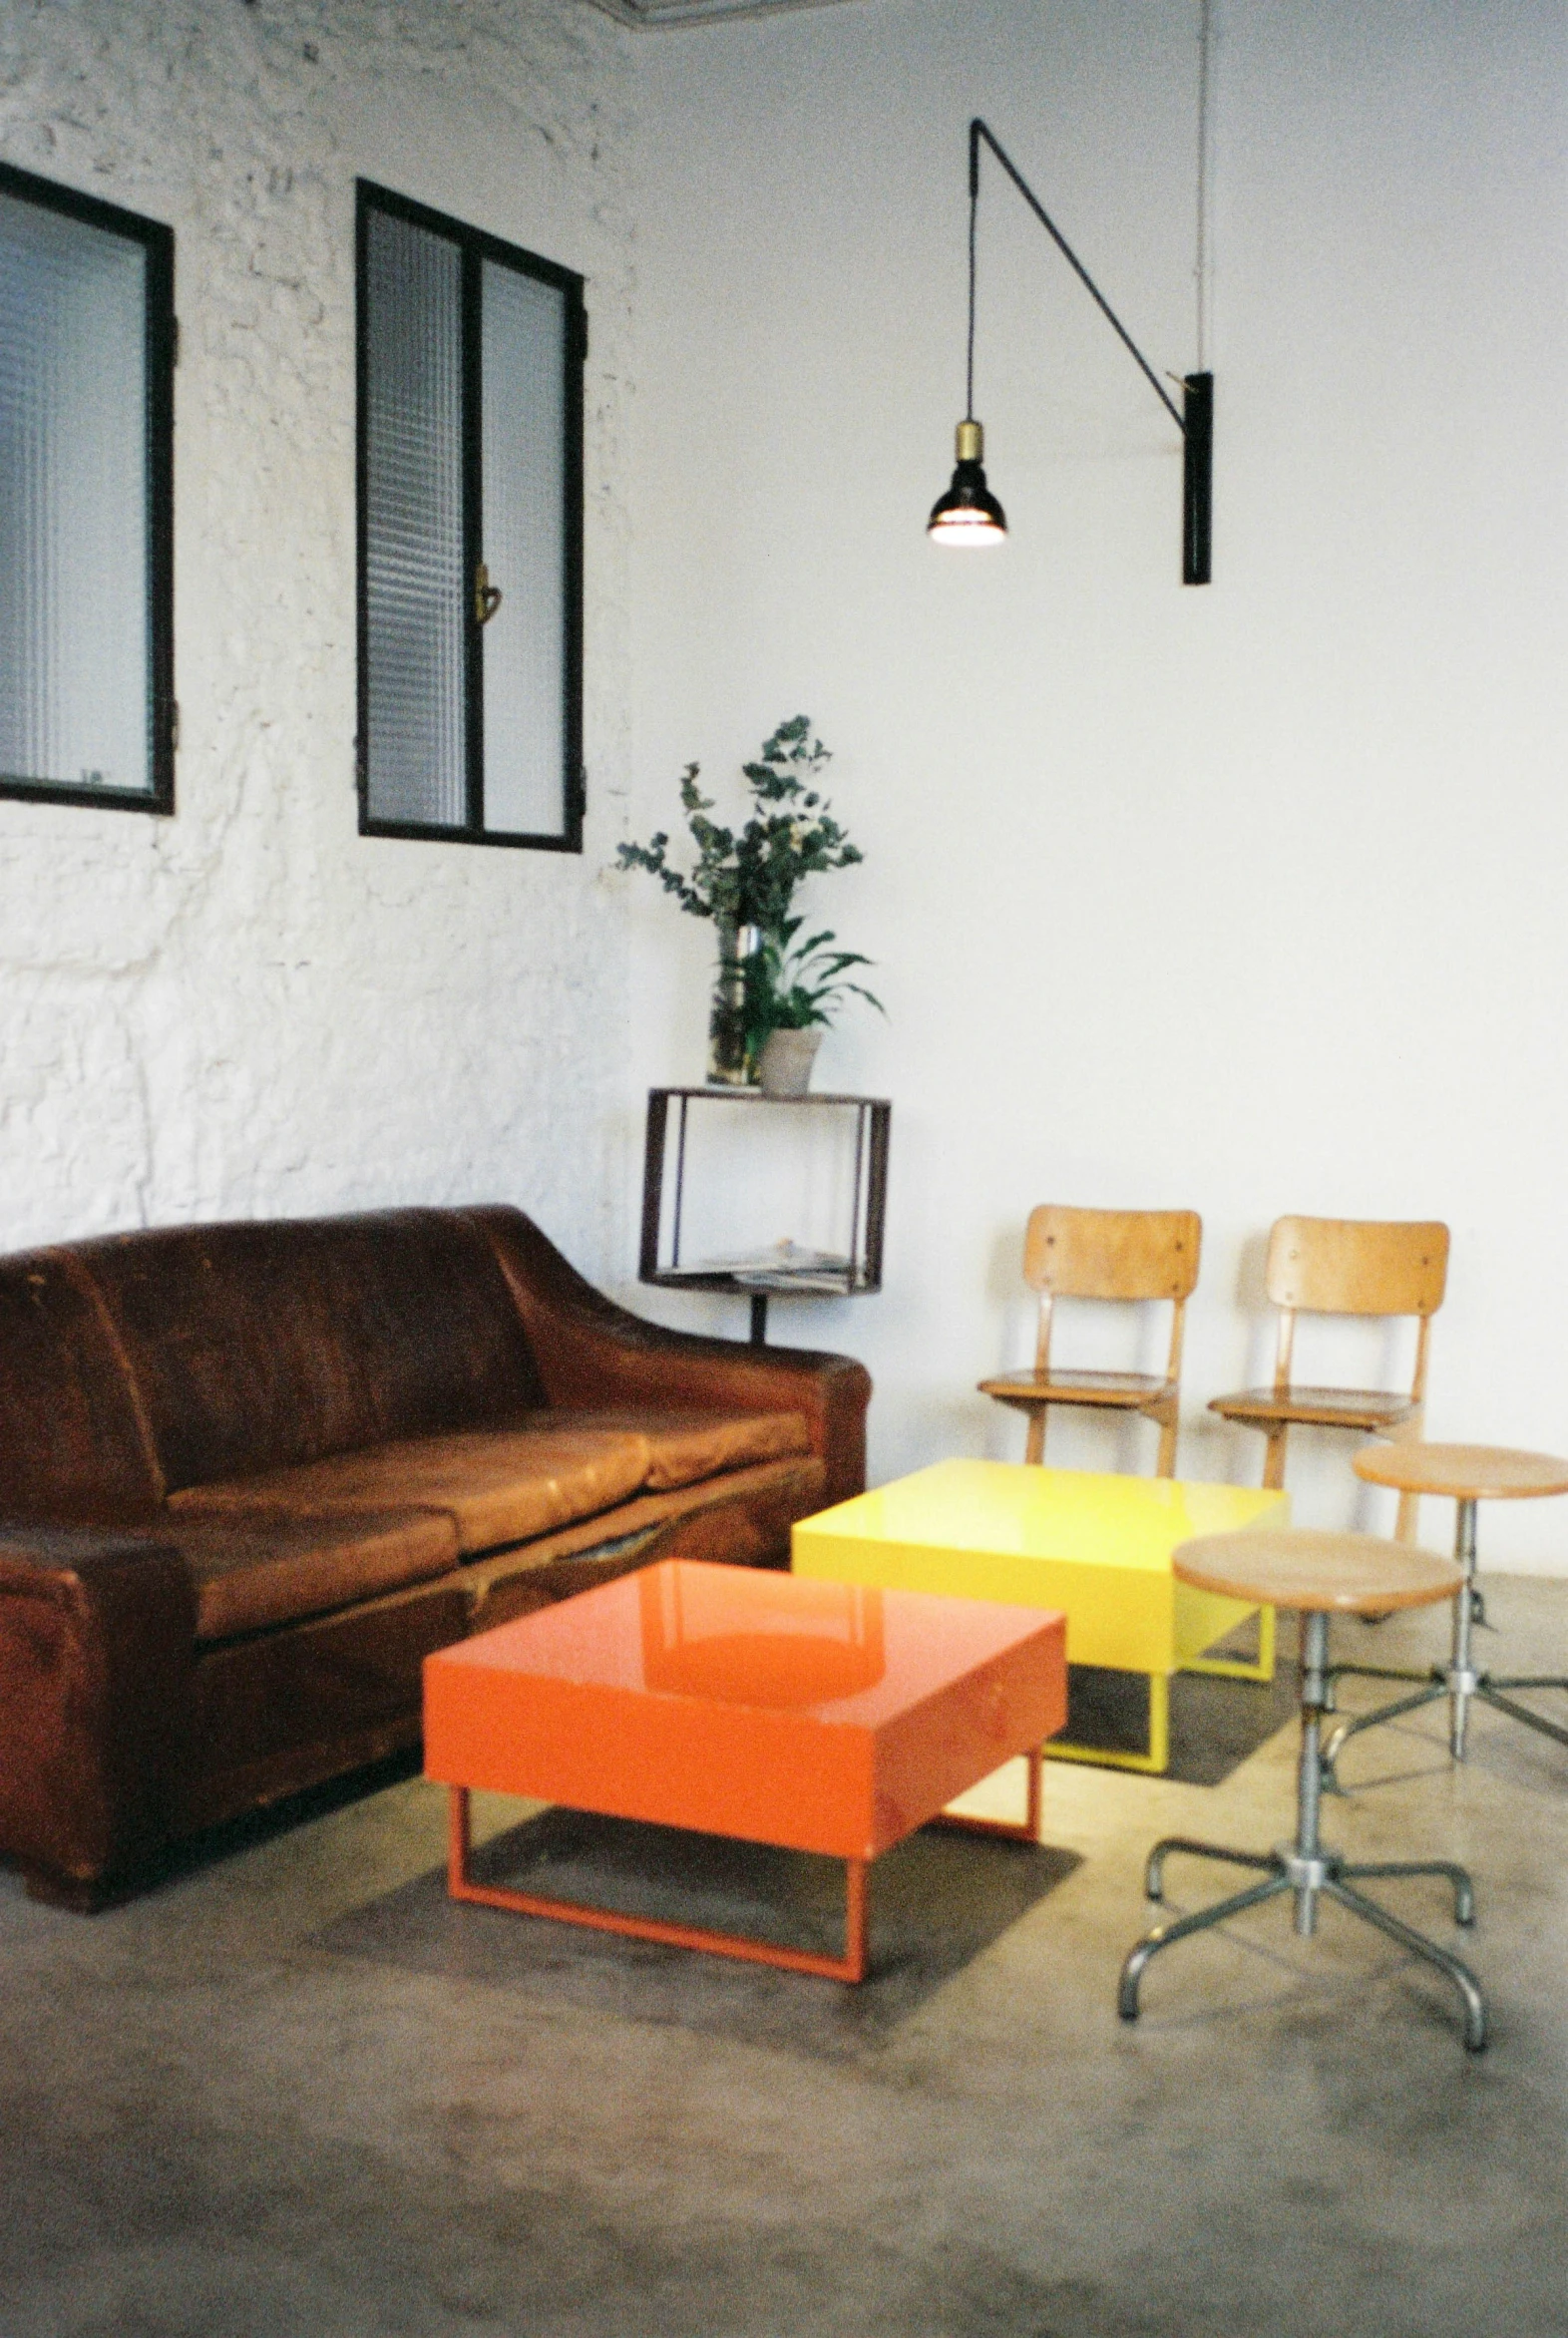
<point>74,1445</point>
<point>256,1344</point>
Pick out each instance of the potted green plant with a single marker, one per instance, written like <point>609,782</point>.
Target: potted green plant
<point>792,992</point>
<point>745,882</point>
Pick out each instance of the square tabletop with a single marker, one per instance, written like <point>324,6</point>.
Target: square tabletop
<point>817,1716</point>
<point>1096,1544</point>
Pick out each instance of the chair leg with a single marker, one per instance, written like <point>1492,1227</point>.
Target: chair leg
<point>1407,1525</point>
<point>1273,1457</point>
<point>1034,1448</point>
<point>1165,1415</point>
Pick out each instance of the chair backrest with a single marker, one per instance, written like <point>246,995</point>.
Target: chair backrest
<point>1358,1266</point>
<point>1355,1266</point>
<point>1113,1254</point>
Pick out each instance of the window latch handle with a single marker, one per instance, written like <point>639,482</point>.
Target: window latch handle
<point>487,597</point>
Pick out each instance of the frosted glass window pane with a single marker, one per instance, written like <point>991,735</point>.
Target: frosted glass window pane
<point>75,695</point>
<point>416,747</point>
<point>524,440</point>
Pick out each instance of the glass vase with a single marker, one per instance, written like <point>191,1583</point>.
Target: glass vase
<point>729,1063</point>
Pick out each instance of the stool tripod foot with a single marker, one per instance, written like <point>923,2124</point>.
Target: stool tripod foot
<point>1155,1878</point>
<point>1166,1935</point>
<point>1418,1945</point>
<point>1531,1721</point>
<point>1456,1878</point>
<point>1435,1685</point>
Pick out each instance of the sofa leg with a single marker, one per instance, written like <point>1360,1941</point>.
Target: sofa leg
<point>83,1895</point>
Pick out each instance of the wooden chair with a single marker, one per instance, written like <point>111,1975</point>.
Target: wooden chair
<point>1105,1254</point>
<point>1345,1267</point>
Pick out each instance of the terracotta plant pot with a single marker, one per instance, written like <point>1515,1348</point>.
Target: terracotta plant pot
<point>786,1061</point>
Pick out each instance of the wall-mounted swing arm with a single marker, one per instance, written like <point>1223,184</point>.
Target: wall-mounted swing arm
<point>1194,420</point>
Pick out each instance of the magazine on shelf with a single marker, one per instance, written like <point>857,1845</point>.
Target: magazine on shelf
<point>786,1266</point>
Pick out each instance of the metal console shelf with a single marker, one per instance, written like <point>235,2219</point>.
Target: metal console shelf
<point>844,1272</point>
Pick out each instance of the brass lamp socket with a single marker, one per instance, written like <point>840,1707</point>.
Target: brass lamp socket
<point>970,439</point>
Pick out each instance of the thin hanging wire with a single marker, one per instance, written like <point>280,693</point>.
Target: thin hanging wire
<point>968,378</point>
<point>1201,264</point>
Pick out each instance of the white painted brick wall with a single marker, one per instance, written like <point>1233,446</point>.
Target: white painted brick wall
<point>250,1008</point>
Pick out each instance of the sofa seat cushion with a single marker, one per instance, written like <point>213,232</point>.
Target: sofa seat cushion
<point>496,1485</point>
<point>254,1570</point>
<point>687,1448</point>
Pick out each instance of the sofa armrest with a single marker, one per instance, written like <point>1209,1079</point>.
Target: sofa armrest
<point>592,1352</point>
<point>97,1654</point>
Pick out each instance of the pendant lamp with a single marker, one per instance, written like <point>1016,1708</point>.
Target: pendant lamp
<point>968,516</point>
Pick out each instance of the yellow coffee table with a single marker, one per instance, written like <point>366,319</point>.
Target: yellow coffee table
<point>1096,1546</point>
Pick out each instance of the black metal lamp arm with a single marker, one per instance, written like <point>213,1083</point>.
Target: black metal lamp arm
<point>1196,424</point>
<point>978,131</point>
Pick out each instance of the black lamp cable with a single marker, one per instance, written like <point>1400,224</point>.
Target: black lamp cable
<point>968,378</point>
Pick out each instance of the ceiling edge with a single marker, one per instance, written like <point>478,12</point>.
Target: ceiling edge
<point>652,15</point>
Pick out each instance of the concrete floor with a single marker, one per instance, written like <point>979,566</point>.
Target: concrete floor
<point>294,2094</point>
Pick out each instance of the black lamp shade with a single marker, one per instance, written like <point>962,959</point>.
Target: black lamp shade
<point>968,517</point>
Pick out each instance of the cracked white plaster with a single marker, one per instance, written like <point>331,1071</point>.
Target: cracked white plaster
<point>250,1008</point>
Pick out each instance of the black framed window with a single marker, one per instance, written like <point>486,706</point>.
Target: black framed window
<point>471,370</point>
<point>87,352</point>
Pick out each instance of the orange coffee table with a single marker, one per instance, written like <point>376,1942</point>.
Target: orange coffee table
<point>818,1717</point>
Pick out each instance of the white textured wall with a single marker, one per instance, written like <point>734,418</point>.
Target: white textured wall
<point>249,1009</point>
<point>1248,899</point>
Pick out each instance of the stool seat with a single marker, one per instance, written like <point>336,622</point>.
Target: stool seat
<point>1470,1474</point>
<point>1335,1574</point>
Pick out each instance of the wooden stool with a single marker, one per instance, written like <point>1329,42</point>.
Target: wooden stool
<point>1320,1574</point>
<point>1468,1473</point>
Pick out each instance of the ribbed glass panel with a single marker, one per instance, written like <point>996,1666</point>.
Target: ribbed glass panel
<point>415,584</point>
<point>75,684</point>
<point>523,437</point>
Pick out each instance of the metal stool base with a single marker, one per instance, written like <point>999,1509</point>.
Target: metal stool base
<point>1460,1680</point>
<point>1309,1870</point>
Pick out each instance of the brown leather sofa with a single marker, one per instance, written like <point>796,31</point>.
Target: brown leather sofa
<point>252,1474</point>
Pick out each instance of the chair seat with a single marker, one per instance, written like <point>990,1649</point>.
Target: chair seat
<point>1368,1409</point>
<point>1128,1390</point>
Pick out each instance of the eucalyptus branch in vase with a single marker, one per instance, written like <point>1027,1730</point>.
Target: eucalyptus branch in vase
<point>745,880</point>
